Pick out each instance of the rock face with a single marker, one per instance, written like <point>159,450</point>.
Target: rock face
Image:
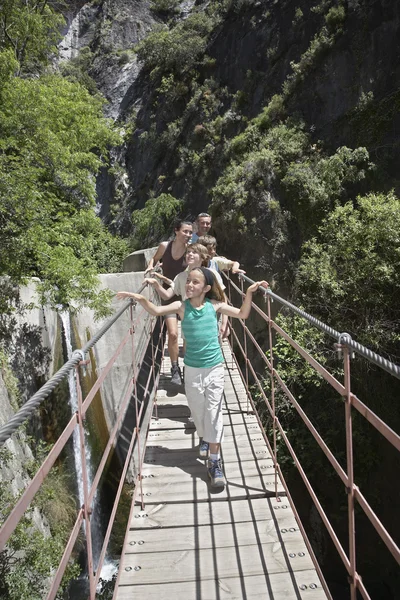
<point>110,29</point>
<point>41,327</point>
<point>347,94</point>
<point>14,472</point>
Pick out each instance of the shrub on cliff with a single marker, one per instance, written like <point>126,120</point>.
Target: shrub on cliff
<point>31,556</point>
<point>176,49</point>
<point>350,273</point>
<point>279,185</point>
<point>154,222</point>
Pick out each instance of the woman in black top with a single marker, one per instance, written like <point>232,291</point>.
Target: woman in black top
<point>173,262</point>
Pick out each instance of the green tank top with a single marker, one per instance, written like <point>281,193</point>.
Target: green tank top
<point>200,328</point>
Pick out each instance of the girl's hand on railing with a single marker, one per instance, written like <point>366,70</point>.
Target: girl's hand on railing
<point>255,286</point>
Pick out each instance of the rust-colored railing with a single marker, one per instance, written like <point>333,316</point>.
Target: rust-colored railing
<point>345,345</point>
<point>77,420</point>
<point>250,377</point>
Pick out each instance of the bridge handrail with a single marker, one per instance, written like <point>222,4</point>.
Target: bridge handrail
<point>83,515</point>
<point>341,338</point>
<point>350,401</point>
<point>78,355</point>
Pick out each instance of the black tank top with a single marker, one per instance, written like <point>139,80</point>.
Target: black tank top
<point>170,266</point>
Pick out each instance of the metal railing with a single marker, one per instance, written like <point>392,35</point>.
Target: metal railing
<point>77,420</point>
<point>346,346</point>
<point>343,342</point>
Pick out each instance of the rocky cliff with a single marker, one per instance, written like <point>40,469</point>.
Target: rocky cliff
<point>333,66</point>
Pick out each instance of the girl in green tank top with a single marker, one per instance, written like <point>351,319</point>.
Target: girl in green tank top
<point>203,358</point>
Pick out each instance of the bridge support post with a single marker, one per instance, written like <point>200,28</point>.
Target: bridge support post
<point>350,473</point>
<point>86,507</point>
<point>271,359</point>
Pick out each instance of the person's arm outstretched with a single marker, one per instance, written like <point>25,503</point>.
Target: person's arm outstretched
<point>156,311</point>
<point>157,256</point>
<point>244,311</point>
<point>163,293</point>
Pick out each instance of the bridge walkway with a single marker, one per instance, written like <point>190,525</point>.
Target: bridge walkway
<point>191,542</point>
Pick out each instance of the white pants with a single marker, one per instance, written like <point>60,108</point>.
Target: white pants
<point>204,391</point>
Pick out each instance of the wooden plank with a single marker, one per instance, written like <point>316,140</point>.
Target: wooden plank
<point>174,432</point>
<point>191,440</point>
<point>276,586</point>
<point>234,472</point>
<point>169,425</point>
<point>185,454</point>
<point>210,536</point>
<point>198,488</point>
<point>196,468</point>
<point>225,562</point>
<point>206,513</point>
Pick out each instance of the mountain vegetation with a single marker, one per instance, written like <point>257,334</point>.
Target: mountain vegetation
<point>54,139</point>
<point>279,118</point>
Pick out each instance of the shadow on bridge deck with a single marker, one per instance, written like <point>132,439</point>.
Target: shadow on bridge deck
<point>193,543</point>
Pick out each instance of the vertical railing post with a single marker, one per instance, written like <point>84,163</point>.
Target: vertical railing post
<point>152,329</point>
<point>137,428</point>
<point>271,359</point>
<point>230,320</point>
<point>350,474</point>
<point>245,352</point>
<point>86,508</point>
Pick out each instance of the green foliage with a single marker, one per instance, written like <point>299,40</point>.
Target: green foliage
<point>281,158</point>
<point>320,181</point>
<point>177,49</point>
<point>30,557</point>
<point>154,222</point>
<point>31,30</point>
<point>321,42</point>
<point>53,139</point>
<point>165,7</point>
<point>350,273</point>
<point>77,70</point>
<point>307,386</point>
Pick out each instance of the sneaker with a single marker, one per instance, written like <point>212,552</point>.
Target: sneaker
<point>204,449</point>
<point>176,375</point>
<point>215,473</point>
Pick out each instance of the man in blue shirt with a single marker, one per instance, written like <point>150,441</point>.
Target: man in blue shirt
<point>203,226</point>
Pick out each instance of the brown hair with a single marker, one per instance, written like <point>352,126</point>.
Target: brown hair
<point>201,250</point>
<point>207,240</point>
<point>180,223</point>
<point>215,293</point>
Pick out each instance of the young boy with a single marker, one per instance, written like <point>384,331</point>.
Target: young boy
<point>218,263</point>
<point>197,255</point>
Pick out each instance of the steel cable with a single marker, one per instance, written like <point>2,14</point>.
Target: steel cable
<point>78,355</point>
<point>341,338</point>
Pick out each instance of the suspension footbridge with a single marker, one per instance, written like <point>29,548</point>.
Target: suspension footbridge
<point>183,538</point>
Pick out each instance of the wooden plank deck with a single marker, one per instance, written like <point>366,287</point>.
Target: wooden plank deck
<point>194,543</point>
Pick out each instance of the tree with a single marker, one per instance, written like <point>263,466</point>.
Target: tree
<point>350,274</point>
<point>54,139</point>
<point>31,30</point>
